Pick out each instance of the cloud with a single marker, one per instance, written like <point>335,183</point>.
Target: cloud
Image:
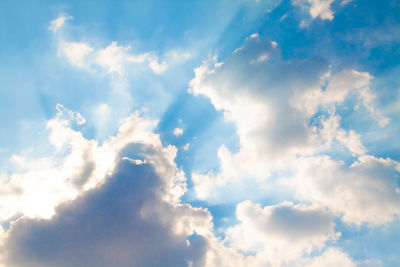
<point>281,227</point>
<point>321,8</point>
<point>282,109</point>
<point>77,164</point>
<point>75,53</point>
<point>186,146</point>
<point>125,222</point>
<point>113,58</point>
<point>365,192</point>
<point>99,207</point>
<point>316,8</point>
<point>58,23</point>
<point>286,234</point>
<point>89,204</point>
<point>332,257</point>
<point>178,131</point>
<point>337,88</point>
<point>345,2</point>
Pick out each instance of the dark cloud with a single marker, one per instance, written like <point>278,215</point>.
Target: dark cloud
<point>108,227</point>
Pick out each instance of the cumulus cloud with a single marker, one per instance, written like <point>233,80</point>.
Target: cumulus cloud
<point>127,210</point>
<point>337,88</point>
<point>178,131</point>
<point>58,23</point>
<point>316,8</point>
<point>273,105</point>
<point>332,257</point>
<point>75,52</point>
<point>286,234</point>
<point>125,222</point>
<point>281,228</point>
<point>93,206</point>
<point>113,59</point>
<point>365,192</point>
<point>78,164</point>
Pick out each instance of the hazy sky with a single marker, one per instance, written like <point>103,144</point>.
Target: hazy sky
<point>200,133</point>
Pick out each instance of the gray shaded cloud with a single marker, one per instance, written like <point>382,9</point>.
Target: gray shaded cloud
<point>110,226</point>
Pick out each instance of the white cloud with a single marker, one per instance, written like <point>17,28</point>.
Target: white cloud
<point>331,130</point>
<point>75,52</point>
<point>332,257</point>
<point>285,228</point>
<point>186,146</point>
<point>178,131</point>
<point>113,59</point>
<point>58,23</point>
<point>345,2</point>
<point>272,105</point>
<point>338,88</point>
<point>365,192</point>
<point>117,207</point>
<point>77,165</point>
<point>278,235</point>
<point>316,8</point>
<point>321,8</point>
<point>127,221</point>
<point>156,66</point>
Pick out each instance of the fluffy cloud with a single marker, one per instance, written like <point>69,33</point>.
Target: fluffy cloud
<point>112,59</point>
<point>278,235</point>
<point>332,257</point>
<point>75,52</point>
<point>78,164</point>
<point>367,191</point>
<point>338,88</point>
<point>59,22</point>
<point>275,106</point>
<point>316,8</point>
<point>125,222</point>
<point>116,210</point>
<point>178,131</point>
<point>284,228</point>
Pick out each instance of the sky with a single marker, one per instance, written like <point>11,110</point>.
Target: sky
<point>200,133</point>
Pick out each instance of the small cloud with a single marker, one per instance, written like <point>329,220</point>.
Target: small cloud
<point>75,52</point>
<point>56,24</point>
<point>321,8</point>
<point>112,58</point>
<point>254,36</point>
<point>316,8</point>
<point>261,58</point>
<point>345,2</point>
<point>186,147</point>
<point>156,66</point>
<point>178,131</point>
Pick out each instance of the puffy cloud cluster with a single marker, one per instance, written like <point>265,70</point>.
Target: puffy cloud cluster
<point>275,106</point>
<point>111,59</point>
<point>316,8</point>
<point>119,202</point>
<point>279,235</point>
<point>365,192</point>
<point>125,222</point>
<point>79,164</point>
<point>94,206</point>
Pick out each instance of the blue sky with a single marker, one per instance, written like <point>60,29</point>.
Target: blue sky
<point>228,133</point>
